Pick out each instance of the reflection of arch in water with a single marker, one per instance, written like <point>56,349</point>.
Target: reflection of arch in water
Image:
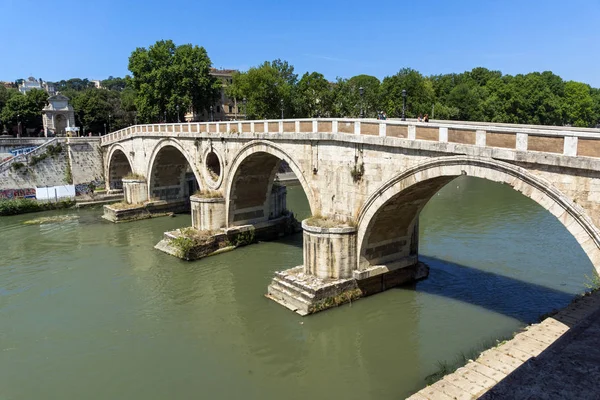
<point>250,181</point>
<point>387,223</point>
<point>171,175</point>
<point>118,167</point>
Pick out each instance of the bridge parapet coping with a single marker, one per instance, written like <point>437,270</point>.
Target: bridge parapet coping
<point>567,141</point>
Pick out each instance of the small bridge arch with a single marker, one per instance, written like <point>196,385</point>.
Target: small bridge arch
<point>387,222</point>
<point>118,166</point>
<point>171,172</point>
<point>250,180</point>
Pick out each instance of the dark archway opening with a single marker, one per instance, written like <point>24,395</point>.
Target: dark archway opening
<point>213,166</point>
<point>172,178</point>
<point>118,168</point>
<point>264,188</point>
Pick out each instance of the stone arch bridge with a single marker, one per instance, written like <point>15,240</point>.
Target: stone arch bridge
<point>366,182</point>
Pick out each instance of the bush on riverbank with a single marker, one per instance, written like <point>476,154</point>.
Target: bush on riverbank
<point>22,206</point>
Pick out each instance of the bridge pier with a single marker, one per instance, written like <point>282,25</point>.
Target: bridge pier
<point>135,191</point>
<point>329,277</point>
<point>208,214</point>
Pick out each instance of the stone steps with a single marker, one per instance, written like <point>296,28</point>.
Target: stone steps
<point>288,296</point>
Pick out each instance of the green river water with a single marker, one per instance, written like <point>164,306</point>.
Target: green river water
<point>89,310</point>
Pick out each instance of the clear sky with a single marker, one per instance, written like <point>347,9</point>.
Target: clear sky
<point>93,39</point>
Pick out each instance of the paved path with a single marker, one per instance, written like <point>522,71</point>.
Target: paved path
<point>558,358</point>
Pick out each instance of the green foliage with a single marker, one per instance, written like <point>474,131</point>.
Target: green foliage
<point>68,174</point>
<point>243,238</point>
<point>24,108</point>
<point>592,282</point>
<point>17,165</point>
<point>135,176</point>
<point>166,76</point>
<point>335,301</point>
<point>265,88</point>
<point>357,172</point>
<point>313,96</point>
<point>22,206</point>
<point>37,158</point>
<point>183,244</point>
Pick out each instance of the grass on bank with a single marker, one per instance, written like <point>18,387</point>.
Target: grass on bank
<point>23,206</point>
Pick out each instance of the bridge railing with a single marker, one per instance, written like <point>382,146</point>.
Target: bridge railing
<point>557,140</point>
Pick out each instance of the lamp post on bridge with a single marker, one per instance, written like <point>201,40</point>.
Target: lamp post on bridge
<point>281,108</point>
<point>109,121</point>
<point>178,120</point>
<point>19,126</point>
<point>211,113</point>
<point>135,117</point>
<point>403,104</point>
<point>165,116</point>
<point>361,92</point>
<point>245,108</point>
<point>105,128</point>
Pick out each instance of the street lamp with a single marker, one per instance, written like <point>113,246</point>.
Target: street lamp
<point>18,125</point>
<point>245,108</point>
<point>403,104</point>
<point>105,128</point>
<point>211,113</point>
<point>281,108</point>
<point>165,116</point>
<point>361,92</point>
<point>178,120</point>
<point>135,117</point>
<point>109,121</point>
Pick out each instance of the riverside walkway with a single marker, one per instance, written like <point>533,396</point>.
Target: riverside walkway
<point>558,358</point>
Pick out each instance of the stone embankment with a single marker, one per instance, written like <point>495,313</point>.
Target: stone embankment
<point>558,358</point>
<point>57,162</point>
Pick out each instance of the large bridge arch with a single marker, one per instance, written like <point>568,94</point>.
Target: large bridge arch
<point>263,157</point>
<point>118,165</point>
<point>167,170</point>
<point>387,222</point>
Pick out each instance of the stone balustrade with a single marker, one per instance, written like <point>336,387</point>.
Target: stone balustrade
<point>566,141</point>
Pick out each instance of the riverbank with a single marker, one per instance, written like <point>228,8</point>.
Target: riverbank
<point>557,358</point>
<point>24,206</point>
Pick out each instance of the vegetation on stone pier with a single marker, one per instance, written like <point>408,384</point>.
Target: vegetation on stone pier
<point>208,194</point>
<point>134,176</point>
<point>22,206</point>
<point>320,221</point>
<point>337,300</point>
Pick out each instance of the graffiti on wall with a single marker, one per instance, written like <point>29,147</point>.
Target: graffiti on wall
<point>88,188</point>
<point>16,193</point>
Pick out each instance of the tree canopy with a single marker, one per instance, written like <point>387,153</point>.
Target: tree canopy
<point>171,79</point>
<point>176,79</point>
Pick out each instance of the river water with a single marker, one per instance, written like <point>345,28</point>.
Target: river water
<point>89,310</point>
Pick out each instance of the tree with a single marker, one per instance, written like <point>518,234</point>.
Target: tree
<point>313,96</point>
<point>26,109</point>
<point>266,89</point>
<point>112,83</point>
<point>578,105</point>
<point>420,94</point>
<point>167,77</point>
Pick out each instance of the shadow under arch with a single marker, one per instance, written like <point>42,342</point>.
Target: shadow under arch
<point>264,158</point>
<point>117,167</point>
<point>388,220</point>
<point>175,162</point>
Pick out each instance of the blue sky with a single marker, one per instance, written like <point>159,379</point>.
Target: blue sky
<point>93,38</point>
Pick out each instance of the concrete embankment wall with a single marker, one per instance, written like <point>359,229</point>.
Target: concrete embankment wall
<point>79,162</point>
